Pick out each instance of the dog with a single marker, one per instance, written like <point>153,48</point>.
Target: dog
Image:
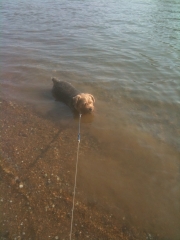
<point>80,102</point>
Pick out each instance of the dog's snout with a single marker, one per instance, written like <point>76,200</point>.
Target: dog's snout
<point>90,109</point>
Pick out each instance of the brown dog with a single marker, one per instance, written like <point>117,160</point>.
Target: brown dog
<point>81,102</point>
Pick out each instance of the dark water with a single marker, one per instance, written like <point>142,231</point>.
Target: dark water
<point>127,54</point>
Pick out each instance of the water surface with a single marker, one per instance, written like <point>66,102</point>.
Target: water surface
<point>127,54</point>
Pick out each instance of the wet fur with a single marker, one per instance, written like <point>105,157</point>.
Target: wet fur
<point>80,102</point>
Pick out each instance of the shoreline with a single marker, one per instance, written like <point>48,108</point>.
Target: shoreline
<point>37,178</point>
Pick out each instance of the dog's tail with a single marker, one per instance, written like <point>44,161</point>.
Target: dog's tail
<point>55,80</point>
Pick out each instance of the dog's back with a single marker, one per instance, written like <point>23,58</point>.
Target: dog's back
<point>63,91</point>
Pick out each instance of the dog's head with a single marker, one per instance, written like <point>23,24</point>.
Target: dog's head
<point>84,103</point>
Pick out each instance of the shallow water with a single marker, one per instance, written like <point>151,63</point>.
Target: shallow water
<point>127,54</point>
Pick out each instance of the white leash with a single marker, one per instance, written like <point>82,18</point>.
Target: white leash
<point>74,192</point>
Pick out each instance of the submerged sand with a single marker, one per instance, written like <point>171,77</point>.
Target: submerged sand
<point>37,178</point>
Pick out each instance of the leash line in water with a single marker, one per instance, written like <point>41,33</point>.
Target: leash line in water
<point>74,192</point>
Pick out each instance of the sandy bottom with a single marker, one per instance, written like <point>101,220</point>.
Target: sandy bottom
<point>37,170</point>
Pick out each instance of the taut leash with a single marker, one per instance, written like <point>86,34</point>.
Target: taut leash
<point>74,192</point>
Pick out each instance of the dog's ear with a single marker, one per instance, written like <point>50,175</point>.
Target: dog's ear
<point>92,98</point>
<point>76,99</point>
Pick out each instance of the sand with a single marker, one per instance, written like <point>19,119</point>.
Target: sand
<point>37,170</point>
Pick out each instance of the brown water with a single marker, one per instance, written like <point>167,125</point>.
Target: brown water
<point>127,54</point>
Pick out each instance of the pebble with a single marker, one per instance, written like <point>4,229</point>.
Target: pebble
<point>21,185</point>
<point>149,236</point>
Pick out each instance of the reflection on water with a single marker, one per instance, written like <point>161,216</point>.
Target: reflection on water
<point>127,55</point>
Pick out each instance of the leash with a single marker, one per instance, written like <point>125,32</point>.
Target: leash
<point>74,192</point>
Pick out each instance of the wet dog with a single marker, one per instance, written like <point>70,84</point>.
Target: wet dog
<point>80,102</point>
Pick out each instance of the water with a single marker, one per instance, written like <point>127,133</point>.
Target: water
<point>127,54</point>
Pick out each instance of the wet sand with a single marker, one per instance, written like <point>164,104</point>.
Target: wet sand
<point>37,178</point>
